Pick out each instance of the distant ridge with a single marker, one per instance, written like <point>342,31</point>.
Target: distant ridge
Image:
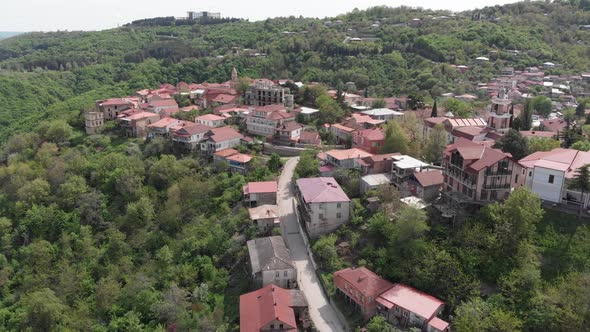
<point>8,34</point>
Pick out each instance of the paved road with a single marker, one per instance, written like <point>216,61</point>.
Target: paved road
<point>321,311</point>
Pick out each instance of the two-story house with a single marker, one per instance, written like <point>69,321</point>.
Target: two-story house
<point>211,120</point>
<point>476,173</point>
<point>270,262</point>
<point>162,105</point>
<point>362,287</point>
<point>323,205</point>
<point>549,174</point>
<point>162,127</point>
<point>265,217</point>
<point>402,167</point>
<point>190,136</point>
<point>288,133</point>
<point>111,108</point>
<point>221,138</point>
<point>136,125</point>
<point>260,193</point>
<point>346,158</point>
<point>370,140</point>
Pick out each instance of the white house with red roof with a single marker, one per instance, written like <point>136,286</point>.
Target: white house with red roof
<point>190,136</point>
<point>158,106</point>
<point>218,139</point>
<point>323,205</point>
<point>162,127</point>
<point>211,120</point>
<point>548,174</point>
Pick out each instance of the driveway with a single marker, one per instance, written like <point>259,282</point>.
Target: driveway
<point>322,313</point>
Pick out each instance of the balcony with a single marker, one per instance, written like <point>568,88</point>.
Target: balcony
<point>459,175</point>
<point>496,186</point>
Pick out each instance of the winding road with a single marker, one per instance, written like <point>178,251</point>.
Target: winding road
<point>322,313</point>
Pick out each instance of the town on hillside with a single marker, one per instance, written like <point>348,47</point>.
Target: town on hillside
<point>527,134</point>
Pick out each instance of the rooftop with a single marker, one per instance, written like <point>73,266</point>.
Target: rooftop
<point>407,162</point>
<point>264,212</point>
<point>268,254</point>
<point>321,190</point>
<point>222,134</point>
<point>363,280</point>
<point>348,154</point>
<point>261,307</point>
<point>565,160</point>
<point>382,112</point>
<point>429,178</point>
<point>413,300</point>
<point>260,187</point>
<point>376,179</point>
<point>209,117</point>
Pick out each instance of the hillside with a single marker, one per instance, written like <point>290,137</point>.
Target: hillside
<point>111,232</point>
<point>397,58</point>
<point>8,34</point>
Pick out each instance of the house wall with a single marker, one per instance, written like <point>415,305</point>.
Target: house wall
<point>265,224</point>
<point>324,217</point>
<point>541,186</point>
<point>281,278</point>
<point>260,126</point>
<point>262,199</point>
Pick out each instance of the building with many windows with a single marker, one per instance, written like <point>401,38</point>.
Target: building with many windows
<point>267,93</point>
<point>474,172</point>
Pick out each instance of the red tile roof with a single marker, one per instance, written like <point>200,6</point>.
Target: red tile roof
<point>438,323</point>
<point>310,136</point>
<point>363,280</point>
<point>290,126</point>
<point>431,122</point>
<point>263,306</point>
<point>224,99</point>
<point>321,190</point>
<point>222,134</point>
<point>411,299</point>
<point>165,122</point>
<point>192,129</point>
<point>210,117</point>
<point>343,128</point>
<point>226,153</point>
<point>376,134</point>
<point>554,125</point>
<point>260,187</point>
<point>565,160</point>
<point>278,115</point>
<point>470,132</point>
<point>430,178</point>
<point>240,158</point>
<point>163,103</point>
<point>348,154</point>
<point>466,122</point>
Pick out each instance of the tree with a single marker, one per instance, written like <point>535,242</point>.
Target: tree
<point>478,315</point>
<point>325,249</point>
<point>526,116</point>
<point>415,101</point>
<point>542,144</point>
<point>434,113</point>
<point>581,110</point>
<point>581,182</point>
<point>308,165</point>
<point>378,103</point>
<point>330,111</point>
<point>395,139</point>
<point>44,311</point>
<point>436,144</point>
<point>581,146</point>
<point>379,324</point>
<point>542,105</point>
<point>274,163</point>
<point>514,143</point>
<point>58,131</point>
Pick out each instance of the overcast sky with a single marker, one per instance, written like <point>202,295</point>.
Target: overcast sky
<point>49,15</point>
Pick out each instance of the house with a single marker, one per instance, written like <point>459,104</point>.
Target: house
<point>239,163</point>
<point>136,125</point>
<point>264,121</point>
<point>370,140</point>
<point>310,138</point>
<point>384,114</point>
<point>190,136</point>
<point>361,121</point>
<point>288,133</point>
<point>263,93</point>
<point>158,106</point>
<point>548,174</point>
<point>453,124</point>
<point>265,217</point>
<point>162,127</point>
<point>475,173</point>
<point>94,121</point>
<point>111,108</point>
<point>218,139</point>
<point>223,99</point>
<point>211,120</point>
<point>473,133</point>
<point>260,193</point>
<point>271,308</point>
<point>270,263</point>
<point>221,156</point>
<point>342,133</point>
<point>407,307</point>
<point>377,164</point>
<point>426,185</point>
<point>402,167</point>
<point>374,181</point>
<point>346,158</point>
<point>323,205</point>
<point>361,287</point>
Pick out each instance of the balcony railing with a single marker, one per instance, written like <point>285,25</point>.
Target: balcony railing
<point>496,186</point>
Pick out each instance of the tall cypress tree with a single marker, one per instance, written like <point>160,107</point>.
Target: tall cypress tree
<point>434,113</point>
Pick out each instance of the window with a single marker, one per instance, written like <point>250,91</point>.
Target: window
<point>516,179</point>
<point>338,205</point>
<point>339,215</point>
<point>321,216</point>
<point>272,326</point>
<point>551,178</point>
<point>285,274</point>
<point>278,274</point>
<point>280,326</point>
<point>530,173</point>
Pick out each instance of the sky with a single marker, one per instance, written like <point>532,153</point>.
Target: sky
<point>51,15</point>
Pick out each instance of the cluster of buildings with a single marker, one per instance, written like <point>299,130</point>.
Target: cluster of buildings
<point>399,304</point>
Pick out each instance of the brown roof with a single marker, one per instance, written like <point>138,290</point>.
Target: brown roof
<point>226,153</point>
<point>193,129</point>
<point>222,134</point>
<point>430,178</point>
<point>363,280</point>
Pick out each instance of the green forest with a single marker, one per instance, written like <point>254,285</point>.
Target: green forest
<point>101,233</point>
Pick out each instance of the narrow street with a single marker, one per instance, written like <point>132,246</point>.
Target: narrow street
<point>321,311</point>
